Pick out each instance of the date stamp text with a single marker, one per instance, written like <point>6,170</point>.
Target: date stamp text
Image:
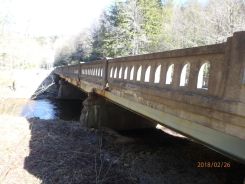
<point>211,164</point>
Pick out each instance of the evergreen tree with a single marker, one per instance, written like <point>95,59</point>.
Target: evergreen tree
<point>129,28</point>
<point>151,11</point>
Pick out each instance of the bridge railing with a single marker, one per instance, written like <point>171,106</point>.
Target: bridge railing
<point>214,70</point>
<point>71,71</point>
<point>92,72</point>
<point>199,70</point>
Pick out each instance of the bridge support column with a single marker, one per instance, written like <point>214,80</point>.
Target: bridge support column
<point>91,112</point>
<point>67,91</point>
<point>98,112</point>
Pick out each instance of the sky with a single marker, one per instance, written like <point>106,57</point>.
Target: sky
<point>52,17</point>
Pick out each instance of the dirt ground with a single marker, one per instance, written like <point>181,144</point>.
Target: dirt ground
<point>56,151</point>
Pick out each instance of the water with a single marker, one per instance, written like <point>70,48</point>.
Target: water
<point>53,109</point>
<point>42,109</point>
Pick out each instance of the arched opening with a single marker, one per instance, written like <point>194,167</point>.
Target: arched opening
<point>120,73</point>
<point>185,73</point>
<point>203,76</point>
<point>139,73</point>
<point>147,74</point>
<point>111,72</point>
<point>98,72</point>
<point>115,73</point>
<point>126,73</point>
<point>157,74</point>
<point>132,73</point>
<point>170,74</point>
<point>101,72</point>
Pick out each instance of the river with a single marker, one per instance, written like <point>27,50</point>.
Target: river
<point>42,109</point>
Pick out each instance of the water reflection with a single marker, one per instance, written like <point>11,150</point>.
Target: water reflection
<point>52,109</point>
<point>42,109</point>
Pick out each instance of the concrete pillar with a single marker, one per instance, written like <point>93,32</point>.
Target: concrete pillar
<point>67,91</point>
<point>105,73</point>
<point>163,74</point>
<point>235,53</point>
<point>61,88</point>
<point>152,74</point>
<point>98,112</point>
<point>91,112</point>
<point>192,86</point>
<point>177,73</point>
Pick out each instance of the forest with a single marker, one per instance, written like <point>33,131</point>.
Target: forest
<point>132,27</point>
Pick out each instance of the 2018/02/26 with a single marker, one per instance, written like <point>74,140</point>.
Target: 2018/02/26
<point>213,164</point>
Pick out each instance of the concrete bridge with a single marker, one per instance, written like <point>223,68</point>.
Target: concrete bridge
<point>199,92</point>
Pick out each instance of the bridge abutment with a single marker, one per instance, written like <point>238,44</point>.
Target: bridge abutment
<point>98,112</point>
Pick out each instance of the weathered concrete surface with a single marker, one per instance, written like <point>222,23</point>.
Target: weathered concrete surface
<point>68,91</point>
<point>98,112</point>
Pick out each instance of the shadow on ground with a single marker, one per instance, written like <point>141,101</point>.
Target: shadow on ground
<point>65,152</point>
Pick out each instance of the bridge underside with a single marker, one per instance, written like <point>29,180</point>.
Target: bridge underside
<point>222,142</point>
